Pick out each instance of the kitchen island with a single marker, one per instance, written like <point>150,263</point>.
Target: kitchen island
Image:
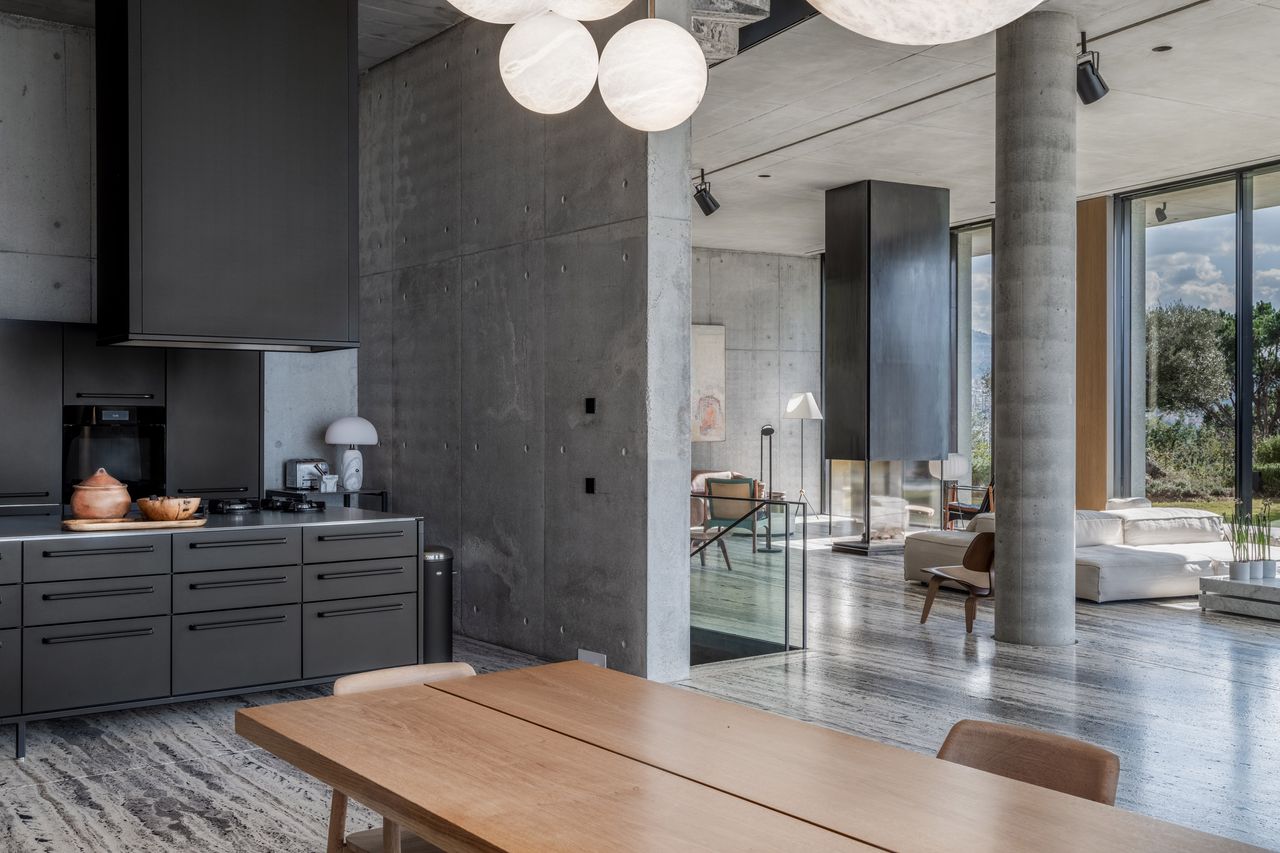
<point>95,622</point>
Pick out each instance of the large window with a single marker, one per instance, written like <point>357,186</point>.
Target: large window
<point>973,362</point>
<point>1203,334</point>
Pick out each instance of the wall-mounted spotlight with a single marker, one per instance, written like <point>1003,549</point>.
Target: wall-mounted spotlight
<point>702,195</point>
<point>1162,212</point>
<point>1089,83</point>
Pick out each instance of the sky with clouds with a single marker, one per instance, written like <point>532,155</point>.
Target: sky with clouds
<point>1194,262</point>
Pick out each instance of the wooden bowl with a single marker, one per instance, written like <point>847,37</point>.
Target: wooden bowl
<point>168,509</point>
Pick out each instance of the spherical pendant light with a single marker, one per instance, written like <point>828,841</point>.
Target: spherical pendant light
<point>588,10</point>
<point>923,21</point>
<point>500,11</point>
<point>548,63</point>
<point>652,74</point>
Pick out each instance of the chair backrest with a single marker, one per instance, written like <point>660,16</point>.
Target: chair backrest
<point>742,488</point>
<point>1039,758</point>
<point>988,499</point>
<point>981,553</point>
<point>400,676</point>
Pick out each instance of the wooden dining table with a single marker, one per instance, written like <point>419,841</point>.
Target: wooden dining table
<point>573,757</point>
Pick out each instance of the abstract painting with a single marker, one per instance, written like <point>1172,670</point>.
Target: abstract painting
<point>707,393</point>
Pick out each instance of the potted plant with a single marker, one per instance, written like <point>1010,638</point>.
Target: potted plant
<point>1238,569</point>
<point>1268,562</point>
<point>1257,537</point>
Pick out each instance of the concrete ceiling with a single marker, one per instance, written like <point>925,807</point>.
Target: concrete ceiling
<point>927,115</point>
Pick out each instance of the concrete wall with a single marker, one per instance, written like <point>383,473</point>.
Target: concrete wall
<point>771,308</point>
<point>512,266</point>
<point>46,171</point>
<point>47,227</point>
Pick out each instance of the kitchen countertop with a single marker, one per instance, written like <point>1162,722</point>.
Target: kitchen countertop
<point>48,527</point>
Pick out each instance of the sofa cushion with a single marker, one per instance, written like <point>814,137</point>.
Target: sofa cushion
<point>1127,503</point>
<point>1092,527</point>
<point>1098,528</point>
<point>1125,572</point>
<point>1169,525</point>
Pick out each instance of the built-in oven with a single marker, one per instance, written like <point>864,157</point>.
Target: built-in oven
<point>126,440</point>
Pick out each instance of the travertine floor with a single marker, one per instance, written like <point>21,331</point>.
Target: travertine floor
<point>1190,701</point>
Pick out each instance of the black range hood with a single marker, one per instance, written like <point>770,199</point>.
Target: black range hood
<point>227,188</point>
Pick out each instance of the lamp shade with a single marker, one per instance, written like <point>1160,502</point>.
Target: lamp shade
<point>548,63</point>
<point>653,74</point>
<point>955,468</point>
<point>500,11</point>
<point>588,10</point>
<point>923,21</point>
<point>352,430</point>
<point>803,406</point>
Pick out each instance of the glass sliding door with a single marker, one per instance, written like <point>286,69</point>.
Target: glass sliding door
<point>1183,339</point>
<point>973,361</point>
<point>1264,265</point>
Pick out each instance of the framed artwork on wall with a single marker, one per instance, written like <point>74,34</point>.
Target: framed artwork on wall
<point>707,391</point>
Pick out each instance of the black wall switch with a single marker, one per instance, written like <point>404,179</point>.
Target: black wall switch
<point>590,405</point>
<point>591,485</point>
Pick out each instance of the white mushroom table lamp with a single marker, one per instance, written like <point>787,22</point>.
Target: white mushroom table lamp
<point>351,432</point>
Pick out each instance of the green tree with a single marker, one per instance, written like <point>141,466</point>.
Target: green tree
<point>1191,362</point>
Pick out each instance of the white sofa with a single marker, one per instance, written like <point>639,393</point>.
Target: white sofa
<point>1121,554</point>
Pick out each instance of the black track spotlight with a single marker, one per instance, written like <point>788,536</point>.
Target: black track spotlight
<point>702,195</point>
<point>1162,212</point>
<point>1089,83</point>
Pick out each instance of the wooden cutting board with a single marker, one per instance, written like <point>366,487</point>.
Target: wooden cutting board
<point>100,525</point>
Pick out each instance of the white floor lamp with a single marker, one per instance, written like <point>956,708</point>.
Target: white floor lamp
<point>803,407</point>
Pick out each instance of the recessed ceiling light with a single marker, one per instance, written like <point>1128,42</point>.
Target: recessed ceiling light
<point>764,176</point>
<point>1162,48</point>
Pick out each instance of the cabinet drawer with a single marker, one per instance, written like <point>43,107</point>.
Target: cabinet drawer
<point>10,562</point>
<point>359,634</point>
<point>328,581</point>
<point>93,600</point>
<point>236,648</point>
<point>10,672</point>
<point>94,557</point>
<point>94,663</point>
<point>236,549</point>
<point>10,611</point>
<point>332,543</point>
<point>194,592</point>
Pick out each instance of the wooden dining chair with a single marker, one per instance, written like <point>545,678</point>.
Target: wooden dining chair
<point>1052,761</point>
<point>974,576</point>
<point>730,500</point>
<point>390,838</point>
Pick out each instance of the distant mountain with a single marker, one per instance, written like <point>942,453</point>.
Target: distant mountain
<point>981,353</point>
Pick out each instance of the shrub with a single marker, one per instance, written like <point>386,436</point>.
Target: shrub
<point>1268,479</point>
<point>1267,451</point>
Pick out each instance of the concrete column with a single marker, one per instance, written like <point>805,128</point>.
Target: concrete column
<point>1034,333</point>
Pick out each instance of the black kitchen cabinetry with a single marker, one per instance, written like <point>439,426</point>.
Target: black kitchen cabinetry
<point>31,406</point>
<point>214,429</point>
<point>94,375</point>
<point>227,145</point>
<point>96,622</point>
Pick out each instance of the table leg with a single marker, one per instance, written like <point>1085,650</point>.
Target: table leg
<point>390,836</point>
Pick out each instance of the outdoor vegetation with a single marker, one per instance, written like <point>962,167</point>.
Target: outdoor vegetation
<point>1191,404</point>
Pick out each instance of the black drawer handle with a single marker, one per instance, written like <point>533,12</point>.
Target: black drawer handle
<point>97,593</point>
<point>234,584</point>
<point>101,552</point>
<point>382,608</point>
<point>361,573</point>
<point>239,623</point>
<point>241,543</point>
<point>350,537</point>
<point>81,395</point>
<point>24,494</point>
<point>85,638</point>
<point>223,489</point>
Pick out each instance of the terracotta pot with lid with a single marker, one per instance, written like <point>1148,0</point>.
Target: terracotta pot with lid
<point>100,496</point>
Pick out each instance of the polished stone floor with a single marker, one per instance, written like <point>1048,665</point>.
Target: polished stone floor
<point>1190,701</point>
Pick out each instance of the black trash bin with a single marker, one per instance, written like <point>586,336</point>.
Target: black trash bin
<point>437,603</point>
